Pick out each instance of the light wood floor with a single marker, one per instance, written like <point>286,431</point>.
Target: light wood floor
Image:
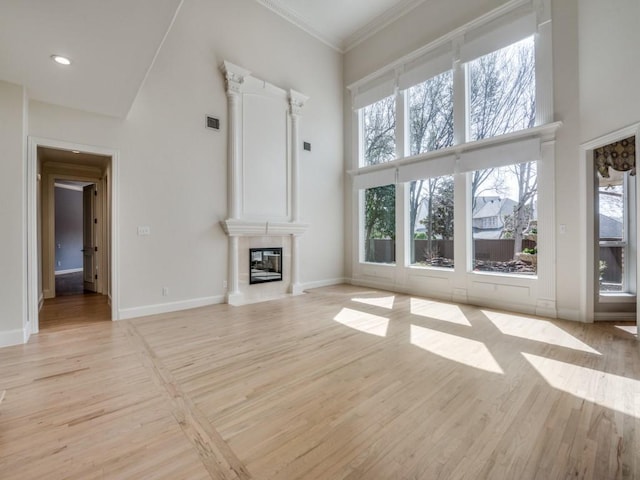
<point>339,383</point>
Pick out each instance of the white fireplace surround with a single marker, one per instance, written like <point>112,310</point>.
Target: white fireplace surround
<point>263,183</point>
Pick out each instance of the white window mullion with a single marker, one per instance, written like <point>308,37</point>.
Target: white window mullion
<point>544,64</point>
<point>401,124</point>
<point>460,97</point>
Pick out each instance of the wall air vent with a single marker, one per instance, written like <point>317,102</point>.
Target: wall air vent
<point>213,123</point>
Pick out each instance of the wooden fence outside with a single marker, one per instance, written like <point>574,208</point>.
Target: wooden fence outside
<point>500,250</point>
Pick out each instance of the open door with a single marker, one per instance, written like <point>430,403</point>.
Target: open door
<point>90,248</point>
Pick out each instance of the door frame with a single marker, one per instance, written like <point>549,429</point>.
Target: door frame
<point>48,224</point>
<point>32,223</point>
<point>587,215</point>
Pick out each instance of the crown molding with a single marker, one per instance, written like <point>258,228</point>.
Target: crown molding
<point>380,22</point>
<point>299,21</point>
<point>342,45</point>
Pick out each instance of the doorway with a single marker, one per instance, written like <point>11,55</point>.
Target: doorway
<point>76,241</point>
<point>89,252</point>
<point>610,214</point>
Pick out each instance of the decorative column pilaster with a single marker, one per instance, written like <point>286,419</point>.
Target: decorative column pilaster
<point>295,287</point>
<point>296,102</point>
<point>546,303</point>
<point>233,292</point>
<point>234,77</point>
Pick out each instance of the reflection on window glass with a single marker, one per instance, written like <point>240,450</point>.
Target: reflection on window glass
<point>431,222</point>
<point>378,127</point>
<point>502,91</point>
<point>431,114</point>
<point>380,224</point>
<point>504,225</point>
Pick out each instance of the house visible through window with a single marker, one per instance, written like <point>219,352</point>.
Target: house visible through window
<point>504,221</point>
<point>442,101</point>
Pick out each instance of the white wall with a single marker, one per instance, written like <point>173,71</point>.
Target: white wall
<point>568,202</point>
<point>13,117</point>
<point>609,66</point>
<point>173,171</point>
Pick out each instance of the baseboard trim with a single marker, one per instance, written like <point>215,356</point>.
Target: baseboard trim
<point>570,314</point>
<point>614,316</point>
<point>324,283</point>
<point>70,270</point>
<point>12,337</point>
<point>135,312</point>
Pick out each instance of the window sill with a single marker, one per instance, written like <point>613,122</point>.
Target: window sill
<point>541,131</point>
<point>618,297</point>
<point>420,268</point>
<point>510,276</point>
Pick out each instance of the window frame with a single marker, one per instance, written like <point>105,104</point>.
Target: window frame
<point>627,242</point>
<point>463,283</point>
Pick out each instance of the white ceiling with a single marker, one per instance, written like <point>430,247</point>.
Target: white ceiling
<point>341,24</point>
<point>113,43</point>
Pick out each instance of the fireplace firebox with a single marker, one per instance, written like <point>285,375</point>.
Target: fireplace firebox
<point>265,265</point>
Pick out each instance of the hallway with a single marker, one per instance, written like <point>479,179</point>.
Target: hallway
<point>74,310</point>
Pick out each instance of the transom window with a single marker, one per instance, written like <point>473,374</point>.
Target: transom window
<point>379,132</point>
<point>502,91</point>
<point>431,114</point>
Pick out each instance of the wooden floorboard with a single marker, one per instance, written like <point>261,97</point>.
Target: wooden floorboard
<point>339,383</point>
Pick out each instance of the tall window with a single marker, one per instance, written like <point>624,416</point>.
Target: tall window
<point>504,225</point>
<point>616,217</point>
<point>431,114</point>
<point>502,91</point>
<point>380,224</point>
<point>378,129</point>
<point>431,222</point>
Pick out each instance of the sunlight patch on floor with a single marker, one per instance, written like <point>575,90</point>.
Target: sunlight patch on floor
<point>439,311</point>
<point>632,329</point>
<point>611,391</point>
<point>363,322</point>
<point>383,302</point>
<point>537,330</point>
<point>459,349</point>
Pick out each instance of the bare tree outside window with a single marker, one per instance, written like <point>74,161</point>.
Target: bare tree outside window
<point>432,245</point>
<point>502,98</point>
<point>379,131</point>
<point>430,127</point>
<point>502,91</point>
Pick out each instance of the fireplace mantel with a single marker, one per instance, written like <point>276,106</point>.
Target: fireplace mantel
<point>263,184</point>
<point>244,228</point>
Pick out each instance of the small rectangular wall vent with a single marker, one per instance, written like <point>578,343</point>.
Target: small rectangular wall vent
<point>213,123</point>
<point>306,146</point>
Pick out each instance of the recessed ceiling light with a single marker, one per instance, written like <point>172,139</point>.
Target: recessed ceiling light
<point>61,60</point>
<point>75,151</point>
